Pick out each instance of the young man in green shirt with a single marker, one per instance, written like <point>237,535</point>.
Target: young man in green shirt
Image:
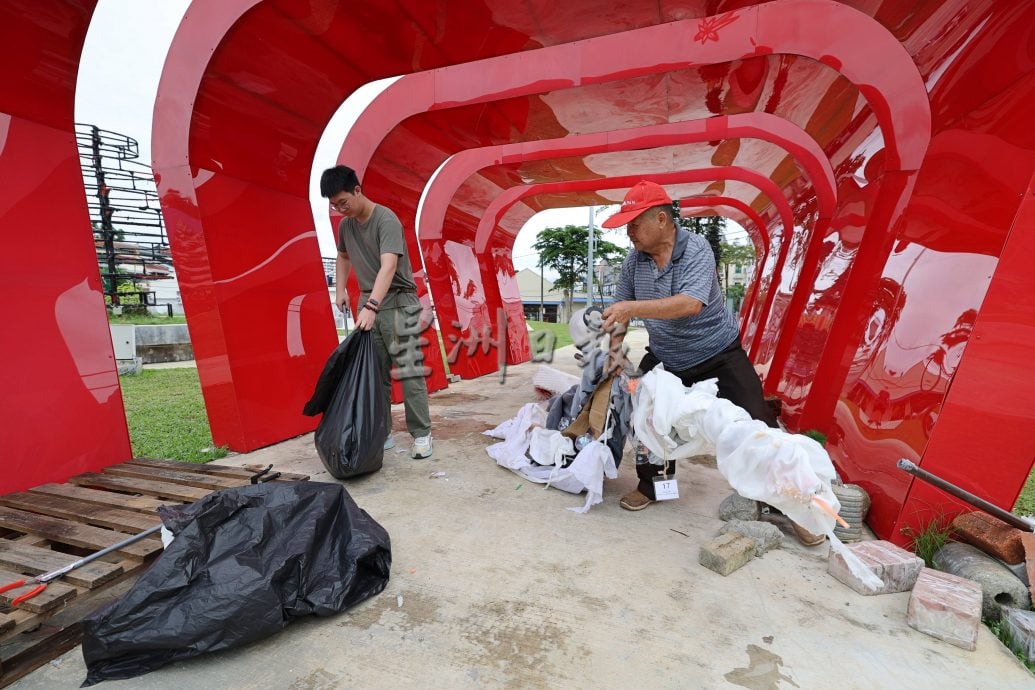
<point>371,242</point>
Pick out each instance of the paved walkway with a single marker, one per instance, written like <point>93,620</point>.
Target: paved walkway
<point>496,584</point>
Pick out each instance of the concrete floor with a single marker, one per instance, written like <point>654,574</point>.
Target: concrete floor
<point>495,584</point>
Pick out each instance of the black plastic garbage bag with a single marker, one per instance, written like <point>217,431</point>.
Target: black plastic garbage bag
<point>243,563</point>
<point>351,436</point>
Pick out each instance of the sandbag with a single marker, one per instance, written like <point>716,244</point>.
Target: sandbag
<point>243,563</point>
<point>351,435</point>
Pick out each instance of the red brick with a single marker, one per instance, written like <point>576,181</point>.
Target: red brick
<point>896,567</point>
<point>991,535</point>
<point>947,607</point>
<point>1028,540</point>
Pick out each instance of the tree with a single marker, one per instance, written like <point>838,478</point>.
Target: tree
<point>735,255</point>
<point>564,251</point>
<point>711,227</point>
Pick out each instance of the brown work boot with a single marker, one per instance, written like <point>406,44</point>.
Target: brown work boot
<point>634,500</point>
<point>806,537</point>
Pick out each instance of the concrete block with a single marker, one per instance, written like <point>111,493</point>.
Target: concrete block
<point>1021,625</point>
<point>1000,588</point>
<point>896,567</point>
<point>130,367</point>
<point>736,507</point>
<point>991,535</point>
<point>767,536</point>
<point>1028,541</point>
<point>946,607</point>
<point>726,553</point>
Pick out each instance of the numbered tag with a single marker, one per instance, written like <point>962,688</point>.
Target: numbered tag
<point>665,489</point>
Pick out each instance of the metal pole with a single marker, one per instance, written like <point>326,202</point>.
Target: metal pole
<point>589,266</point>
<point>542,303</point>
<point>964,495</point>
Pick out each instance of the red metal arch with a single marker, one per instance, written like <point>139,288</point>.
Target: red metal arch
<point>61,410</point>
<point>747,125</point>
<point>761,243</point>
<point>224,357</point>
<point>495,212</point>
<point>436,248</point>
<point>410,96</point>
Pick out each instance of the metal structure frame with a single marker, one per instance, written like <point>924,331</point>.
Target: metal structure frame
<point>905,277</point>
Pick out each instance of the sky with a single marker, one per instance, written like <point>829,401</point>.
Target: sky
<point>118,78</point>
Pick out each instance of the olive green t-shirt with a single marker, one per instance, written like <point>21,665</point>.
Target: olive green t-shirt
<point>366,242</point>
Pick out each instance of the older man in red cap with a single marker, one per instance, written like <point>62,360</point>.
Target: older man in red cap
<point>669,280</point>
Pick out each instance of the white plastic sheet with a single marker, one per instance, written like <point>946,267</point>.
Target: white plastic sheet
<point>790,472</point>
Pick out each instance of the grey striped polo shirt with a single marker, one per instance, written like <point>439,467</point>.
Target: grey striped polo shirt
<point>684,342</point>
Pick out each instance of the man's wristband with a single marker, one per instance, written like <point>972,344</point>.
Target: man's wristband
<point>366,305</point>
<point>373,301</point>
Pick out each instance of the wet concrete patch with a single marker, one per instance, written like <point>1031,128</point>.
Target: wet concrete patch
<point>762,671</point>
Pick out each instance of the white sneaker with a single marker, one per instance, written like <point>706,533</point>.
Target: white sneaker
<point>421,447</point>
<point>389,442</point>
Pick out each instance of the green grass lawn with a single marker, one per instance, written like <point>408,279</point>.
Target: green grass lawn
<point>1026,501</point>
<point>145,319</point>
<point>167,417</point>
<point>559,330</point>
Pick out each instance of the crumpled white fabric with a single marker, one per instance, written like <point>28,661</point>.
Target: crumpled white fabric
<point>589,467</point>
<point>516,434</point>
<point>787,471</point>
<point>549,446</point>
<point>524,435</point>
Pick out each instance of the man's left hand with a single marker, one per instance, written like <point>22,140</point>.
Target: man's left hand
<point>618,314</point>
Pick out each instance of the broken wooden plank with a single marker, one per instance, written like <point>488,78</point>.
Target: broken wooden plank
<point>78,511</point>
<point>74,533</point>
<point>53,596</point>
<point>213,469</point>
<point>143,504</point>
<point>141,486</point>
<point>36,561</point>
<point>200,481</point>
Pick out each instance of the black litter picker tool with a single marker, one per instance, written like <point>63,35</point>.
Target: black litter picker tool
<point>46,578</point>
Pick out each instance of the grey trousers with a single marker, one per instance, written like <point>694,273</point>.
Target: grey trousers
<point>397,342</point>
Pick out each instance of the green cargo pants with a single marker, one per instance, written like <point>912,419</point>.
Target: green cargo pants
<point>396,339</point>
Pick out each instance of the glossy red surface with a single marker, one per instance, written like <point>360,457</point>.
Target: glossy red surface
<point>885,263</point>
<point>61,407</point>
<point>628,70</point>
<point>461,179</point>
<point>757,231</point>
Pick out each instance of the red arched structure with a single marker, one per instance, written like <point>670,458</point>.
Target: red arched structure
<point>761,242</point>
<point>923,114</point>
<point>61,407</point>
<point>460,168</point>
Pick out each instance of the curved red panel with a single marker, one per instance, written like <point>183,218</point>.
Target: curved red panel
<point>934,75</point>
<point>459,168</point>
<point>760,239</point>
<point>464,279</point>
<point>61,406</point>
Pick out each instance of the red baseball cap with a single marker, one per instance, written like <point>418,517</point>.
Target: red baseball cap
<point>642,196</point>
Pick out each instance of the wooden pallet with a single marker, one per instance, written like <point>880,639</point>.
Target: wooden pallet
<point>50,526</point>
